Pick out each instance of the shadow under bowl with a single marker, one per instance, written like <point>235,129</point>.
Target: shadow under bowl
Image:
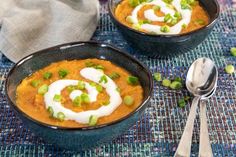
<point>166,45</point>
<point>78,139</point>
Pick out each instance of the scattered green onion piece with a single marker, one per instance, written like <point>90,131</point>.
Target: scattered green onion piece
<point>186,98</point>
<point>61,116</point>
<point>157,76</point>
<point>92,84</point>
<point>70,88</point>
<point>136,26</point>
<point>35,83</point>
<point>132,80</point>
<point>57,98</point>
<point>134,3</point>
<point>43,89</point>
<point>81,85</point>
<point>229,69</point>
<point>184,26</point>
<point>118,89</point>
<point>50,110</point>
<point>90,64</point>
<point>178,15</point>
<point>165,29</point>
<point>173,21</point>
<point>62,73</point>
<point>106,103</point>
<point>129,19</point>
<point>200,22</point>
<point>99,67</point>
<point>103,79</point>
<point>167,17</point>
<point>166,82</point>
<point>175,85</point>
<point>191,2</point>
<point>85,98</point>
<point>233,51</point>
<point>167,1</point>
<point>156,8</point>
<point>99,88</point>
<point>47,75</point>
<point>114,75</point>
<point>181,103</point>
<point>93,120</point>
<point>178,79</point>
<point>185,6</point>
<point>77,101</point>
<point>128,100</point>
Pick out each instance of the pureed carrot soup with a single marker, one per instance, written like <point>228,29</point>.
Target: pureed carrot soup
<point>162,16</point>
<point>79,93</point>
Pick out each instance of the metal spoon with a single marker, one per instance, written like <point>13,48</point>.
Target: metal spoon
<point>200,82</point>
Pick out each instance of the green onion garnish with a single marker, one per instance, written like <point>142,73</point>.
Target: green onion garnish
<point>166,82</point>
<point>118,89</point>
<point>175,85</point>
<point>92,84</point>
<point>128,100</point>
<point>99,67</point>
<point>85,98</point>
<point>233,51</point>
<point>35,83</point>
<point>156,8</point>
<point>43,89</point>
<point>200,22</point>
<point>165,29</point>
<point>184,26</point>
<point>93,120</point>
<point>134,3</point>
<point>167,17</point>
<point>61,116</point>
<point>70,88</point>
<point>106,103</point>
<point>167,1</point>
<point>99,88</point>
<point>178,15</point>
<point>114,75</point>
<point>50,110</point>
<point>132,80</point>
<point>62,73</point>
<point>136,26</point>
<point>90,64</point>
<point>173,21</point>
<point>57,98</point>
<point>47,75</point>
<point>77,101</point>
<point>181,103</point>
<point>103,79</point>
<point>229,69</point>
<point>81,85</point>
<point>157,76</point>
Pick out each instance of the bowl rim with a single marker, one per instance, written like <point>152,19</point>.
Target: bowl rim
<point>210,24</point>
<point>73,44</point>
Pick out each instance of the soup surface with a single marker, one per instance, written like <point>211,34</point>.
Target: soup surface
<point>162,16</point>
<point>79,93</point>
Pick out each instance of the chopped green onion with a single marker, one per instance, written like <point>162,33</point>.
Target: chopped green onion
<point>103,79</point>
<point>61,116</point>
<point>114,75</point>
<point>132,80</point>
<point>178,79</point>
<point>167,17</point>
<point>178,15</point>
<point>57,98</point>
<point>229,69</point>
<point>90,64</point>
<point>144,22</point>
<point>35,83</point>
<point>184,26</point>
<point>136,26</point>
<point>185,6</point>
<point>191,2</point>
<point>233,51</point>
<point>128,100</point>
<point>92,84</point>
<point>85,98</point>
<point>70,88</point>
<point>77,101</point>
<point>43,89</point>
<point>165,29</point>
<point>166,82</point>
<point>62,73</point>
<point>173,21</point>
<point>99,67</point>
<point>175,85</point>
<point>93,120</point>
<point>81,85</point>
<point>181,103</point>
<point>118,89</point>
<point>99,88</point>
<point>156,8</point>
<point>47,75</point>
<point>200,22</point>
<point>50,110</point>
<point>129,19</point>
<point>186,98</point>
<point>167,1</point>
<point>106,103</point>
<point>134,3</point>
<point>157,76</point>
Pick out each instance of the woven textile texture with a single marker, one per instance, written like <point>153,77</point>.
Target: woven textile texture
<point>158,131</point>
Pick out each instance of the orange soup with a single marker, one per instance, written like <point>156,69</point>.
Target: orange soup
<point>79,93</point>
<point>162,16</point>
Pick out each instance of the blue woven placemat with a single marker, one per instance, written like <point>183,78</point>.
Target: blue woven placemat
<point>158,132</point>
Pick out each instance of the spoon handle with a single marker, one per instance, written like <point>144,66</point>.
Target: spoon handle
<point>205,146</point>
<point>184,148</point>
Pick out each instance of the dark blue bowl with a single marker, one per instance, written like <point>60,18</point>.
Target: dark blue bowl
<point>167,45</point>
<point>78,138</point>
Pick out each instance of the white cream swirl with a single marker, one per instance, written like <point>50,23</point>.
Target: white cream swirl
<point>83,117</point>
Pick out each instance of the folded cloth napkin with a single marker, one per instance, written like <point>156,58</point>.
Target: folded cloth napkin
<point>31,25</point>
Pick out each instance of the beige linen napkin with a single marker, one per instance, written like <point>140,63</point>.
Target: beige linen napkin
<point>31,25</point>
